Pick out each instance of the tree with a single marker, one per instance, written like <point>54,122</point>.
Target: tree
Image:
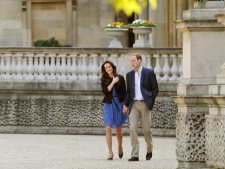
<point>130,6</point>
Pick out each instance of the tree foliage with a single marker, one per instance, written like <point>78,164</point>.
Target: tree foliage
<point>130,6</point>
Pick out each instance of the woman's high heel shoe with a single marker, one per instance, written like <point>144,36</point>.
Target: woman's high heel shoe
<point>110,158</point>
<point>121,155</point>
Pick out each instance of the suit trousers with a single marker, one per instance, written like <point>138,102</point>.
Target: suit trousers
<point>140,111</point>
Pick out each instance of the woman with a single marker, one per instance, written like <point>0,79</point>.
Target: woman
<point>114,89</point>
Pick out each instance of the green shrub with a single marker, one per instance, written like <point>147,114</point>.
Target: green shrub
<point>52,42</point>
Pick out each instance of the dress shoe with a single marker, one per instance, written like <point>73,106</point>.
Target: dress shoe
<point>134,159</point>
<point>148,156</point>
<point>110,158</point>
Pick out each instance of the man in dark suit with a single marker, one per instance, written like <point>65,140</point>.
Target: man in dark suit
<point>142,89</point>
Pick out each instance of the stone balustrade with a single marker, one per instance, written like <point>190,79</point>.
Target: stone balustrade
<point>57,90</point>
<point>83,64</point>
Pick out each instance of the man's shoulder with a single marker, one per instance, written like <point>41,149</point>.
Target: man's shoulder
<point>130,72</point>
<point>147,70</point>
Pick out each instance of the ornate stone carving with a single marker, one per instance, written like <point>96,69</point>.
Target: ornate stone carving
<point>190,134</point>
<point>215,141</point>
<point>72,113</point>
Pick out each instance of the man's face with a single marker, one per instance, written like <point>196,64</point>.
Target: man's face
<point>135,63</point>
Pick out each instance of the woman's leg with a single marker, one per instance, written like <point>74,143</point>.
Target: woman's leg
<point>109,140</point>
<point>120,140</point>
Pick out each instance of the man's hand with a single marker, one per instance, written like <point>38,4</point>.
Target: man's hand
<point>125,109</point>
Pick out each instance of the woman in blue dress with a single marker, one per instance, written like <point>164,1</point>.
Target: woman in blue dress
<point>114,89</point>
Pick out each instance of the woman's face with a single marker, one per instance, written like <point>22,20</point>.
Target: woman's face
<point>108,69</point>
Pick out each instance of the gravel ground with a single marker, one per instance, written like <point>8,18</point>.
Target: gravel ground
<point>22,151</point>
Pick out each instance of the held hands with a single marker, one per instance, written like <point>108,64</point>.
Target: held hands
<point>125,109</point>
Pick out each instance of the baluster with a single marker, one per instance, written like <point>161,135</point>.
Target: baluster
<point>174,68</point>
<point>90,64</point>
<point>166,68</point>
<point>47,65</point>
<point>63,68</point>
<point>41,67</point>
<point>157,68</point>
<point>114,59</point>
<point>52,67</point>
<point>68,66</point>
<point>19,67</point>
<point>13,66</point>
<point>57,66</point>
<point>24,66</point>
<point>35,66</point>
<point>149,63</point>
<point>181,66</point>
<point>73,68</point>
<point>79,66</point>
<point>83,68</point>
<point>30,67</point>
<point>103,57</point>
<point>95,68</point>
<point>123,64</point>
<point>8,67</point>
<point>2,66</point>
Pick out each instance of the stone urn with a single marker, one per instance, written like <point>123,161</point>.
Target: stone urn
<point>115,33</point>
<point>142,32</point>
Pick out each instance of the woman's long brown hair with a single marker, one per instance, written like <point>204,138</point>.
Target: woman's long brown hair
<point>105,79</point>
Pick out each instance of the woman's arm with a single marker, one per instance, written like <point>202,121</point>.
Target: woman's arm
<point>115,80</point>
<point>107,89</point>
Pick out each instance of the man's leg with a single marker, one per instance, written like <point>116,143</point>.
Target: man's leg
<point>134,120</point>
<point>146,126</point>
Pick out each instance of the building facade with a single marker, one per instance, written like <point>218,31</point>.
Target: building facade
<point>79,23</point>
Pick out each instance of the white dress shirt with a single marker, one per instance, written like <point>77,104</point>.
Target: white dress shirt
<point>137,94</point>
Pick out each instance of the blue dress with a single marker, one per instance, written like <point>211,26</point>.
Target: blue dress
<point>113,113</point>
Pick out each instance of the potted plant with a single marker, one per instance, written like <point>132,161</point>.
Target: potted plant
<point>116,29</point>
<point>141,28</point>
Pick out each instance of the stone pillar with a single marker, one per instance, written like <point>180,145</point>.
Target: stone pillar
<point>215,121</point>
<point>201,61</point>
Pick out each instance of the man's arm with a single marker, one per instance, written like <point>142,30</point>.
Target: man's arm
<point>154,84</point>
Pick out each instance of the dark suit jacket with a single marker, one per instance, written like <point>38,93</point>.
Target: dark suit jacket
<point>149,87</point>
<point>120,89</point>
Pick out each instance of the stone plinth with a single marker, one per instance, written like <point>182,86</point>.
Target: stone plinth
<point>202,60</point>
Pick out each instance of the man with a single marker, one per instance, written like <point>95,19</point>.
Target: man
<point>142,89</point>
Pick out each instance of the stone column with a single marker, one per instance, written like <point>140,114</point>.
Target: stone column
<point>203,53</point>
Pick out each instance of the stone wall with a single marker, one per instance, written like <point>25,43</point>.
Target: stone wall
<point>65,107</point>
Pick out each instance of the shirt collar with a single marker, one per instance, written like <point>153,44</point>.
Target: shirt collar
<point>139,69</point>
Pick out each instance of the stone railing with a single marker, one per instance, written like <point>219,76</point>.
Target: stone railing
<point>57,90</point>
<point>83,64</point>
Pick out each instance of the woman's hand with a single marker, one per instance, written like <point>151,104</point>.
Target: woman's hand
<point>115,79</point>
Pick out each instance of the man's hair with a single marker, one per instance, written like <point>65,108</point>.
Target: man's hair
<point>138,56</point>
